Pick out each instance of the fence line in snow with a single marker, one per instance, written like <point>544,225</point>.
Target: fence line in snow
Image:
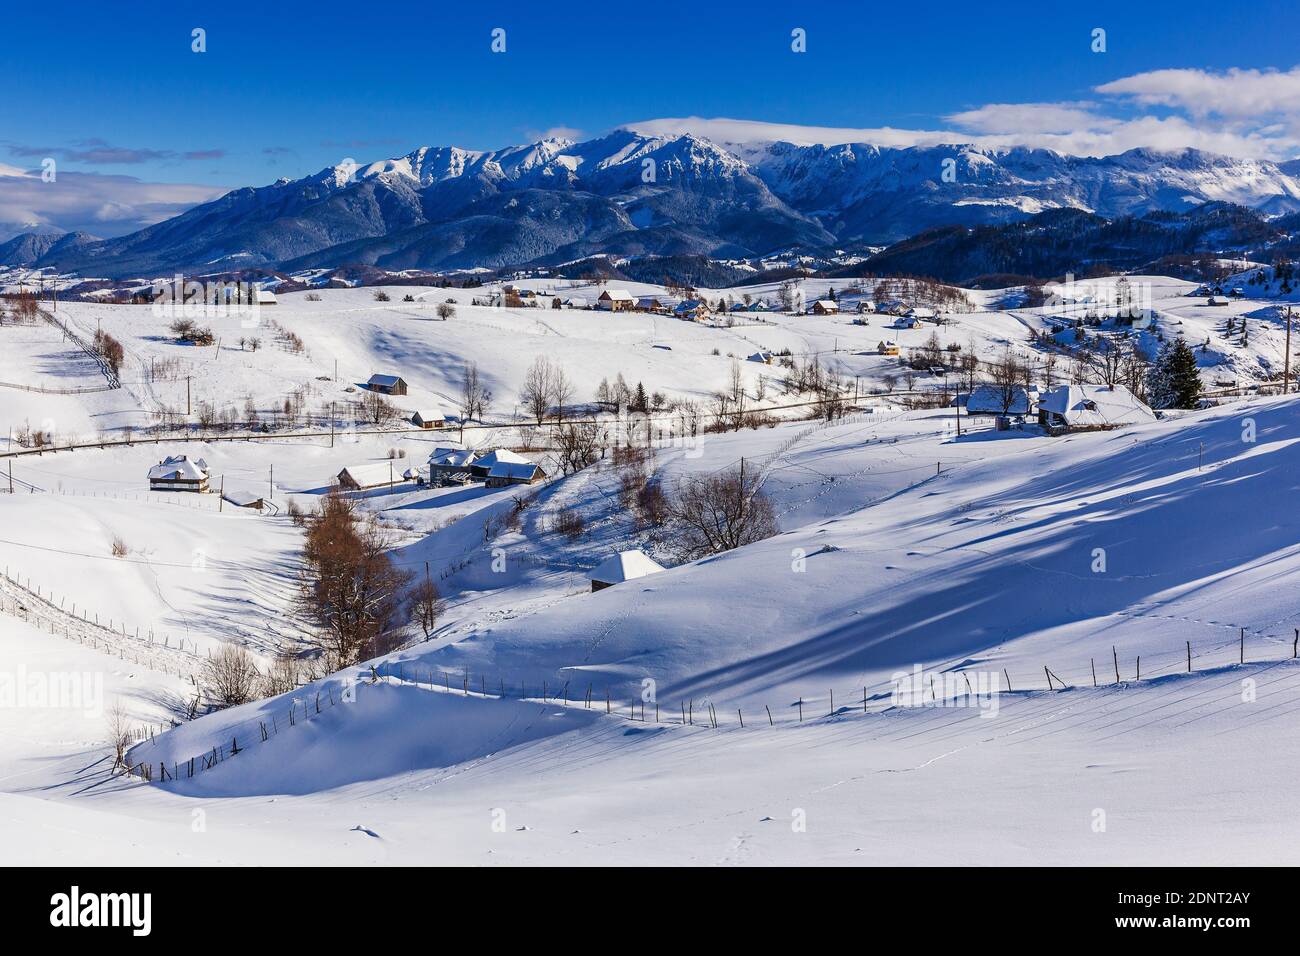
<point>311,701</point>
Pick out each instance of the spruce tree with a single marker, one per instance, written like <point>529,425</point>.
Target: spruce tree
<point>1183,378</point>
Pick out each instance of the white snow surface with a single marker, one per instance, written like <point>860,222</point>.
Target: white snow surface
<point>542,723</point>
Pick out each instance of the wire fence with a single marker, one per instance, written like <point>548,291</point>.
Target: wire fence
<point>945,687</point>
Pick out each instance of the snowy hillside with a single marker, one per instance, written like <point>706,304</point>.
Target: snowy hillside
<point>542,720</point>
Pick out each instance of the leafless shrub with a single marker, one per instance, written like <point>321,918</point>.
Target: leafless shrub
<point>229,676</point>
<point>119,548</point>
<point>281,677</point>
<point>119,734</point>
<point>652,505</point>
<point>568,523</point>
<point>381,296</point>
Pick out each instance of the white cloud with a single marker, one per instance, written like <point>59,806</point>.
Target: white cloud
<point>1236,94</point>
<point>1028,118</point>
<point>740,132</point>
<point>99,204</point>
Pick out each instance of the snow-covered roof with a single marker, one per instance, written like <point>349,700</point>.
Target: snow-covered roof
<point>179,468</point>
<point>764,357</point>
<point>452,457</point>
<point>825,304</point>
<point>1096,406</point>
<point>987,399</point>
<point>265,297</point>
<point>372,475</point>
<point>502,455</point>
<point>243,497</point>
<point>690,305</point>
<point>620,295</point>
<point>387,381</point>
<point>523,470</point>
<point>429,415</point>
<point>411,474</point>
<point>625,566</point>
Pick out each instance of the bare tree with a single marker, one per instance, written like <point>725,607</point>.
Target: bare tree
<point>349,587</point>
<point>716,513</point>
<point>562,390</point>
<point>1008,374</point>
<point>475,396</point>
<point>426,603</point>
<point>446,310</point>
<point>119,733</point>
<point>378,408</point>
<point>580,445</point>
<point>229,676</point>
<point>538,387</point>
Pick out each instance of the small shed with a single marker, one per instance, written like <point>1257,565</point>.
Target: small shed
<point>624,566</point>
<point>243,498</point>
<point>377,475</point>
<point>761,356</point>
<point>387,384</point>
<point>429,418</point>
<point>179,473</point>
<point>266,297</point>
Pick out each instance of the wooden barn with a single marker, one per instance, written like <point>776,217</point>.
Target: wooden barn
<point>429,418</point>
<point>387,384</point>
<point>377,475</point>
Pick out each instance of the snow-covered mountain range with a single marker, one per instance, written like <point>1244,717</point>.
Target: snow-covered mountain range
<point>630,194</point>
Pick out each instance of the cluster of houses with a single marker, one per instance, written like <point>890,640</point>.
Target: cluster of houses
<point>1064,408</point>
<point>498,468</point>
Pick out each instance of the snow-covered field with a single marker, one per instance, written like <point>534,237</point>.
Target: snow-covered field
<point>543,723</point>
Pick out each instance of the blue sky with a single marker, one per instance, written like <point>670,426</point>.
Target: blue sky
<point>285,89</point>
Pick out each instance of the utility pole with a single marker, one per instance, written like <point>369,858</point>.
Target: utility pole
<point>187,396</point>
<point>1286,364</point>
<point>221,495</point>
<point>331,424</point>
<point>270,496</point>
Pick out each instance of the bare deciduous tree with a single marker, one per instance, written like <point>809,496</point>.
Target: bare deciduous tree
<point>229,676</point>
<point>580,445</point>
<point>475,396</point>
<point>426,602</point>
<point>119,733</point>
<point>349,587</point>
<point>716,513</point>
<point>538,387</point>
